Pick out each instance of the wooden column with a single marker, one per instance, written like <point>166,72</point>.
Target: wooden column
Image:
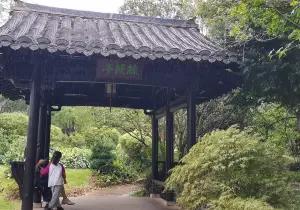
<point>169,139</point>
<point>154,147</point>
<point>47,133</point>
<point>42,132</point>
<point>31,145</point>
<point>40,145</point>
<point>191,120</point>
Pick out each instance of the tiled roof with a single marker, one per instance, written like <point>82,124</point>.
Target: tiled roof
<point>39,27</point>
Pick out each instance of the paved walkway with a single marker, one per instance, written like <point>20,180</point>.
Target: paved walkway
<point>115,202</point>
<point>116,198</point>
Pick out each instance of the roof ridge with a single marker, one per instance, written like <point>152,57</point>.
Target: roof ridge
<point>24,6</point>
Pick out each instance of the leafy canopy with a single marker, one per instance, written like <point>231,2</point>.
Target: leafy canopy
<point>158,8</point>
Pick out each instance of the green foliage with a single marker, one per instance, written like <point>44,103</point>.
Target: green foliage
<point>158,8</point>
<point>76,157</point>
<point>133,153</point>
<point>103,156</point>
<point>15,151</point>
<point>266,33</point>
<point>250,19</point>
<point>8,188</point>
<point>94,135</point>
<point>7,105</point>
<point>56,136</point>
<point>13,129</point>
<point>229,203</point>
<point>116,174</point>
<point>14,123</point>
<point>275,124</point>
<point>232,162</point>
<point>221,113</point>
<point>72,119</point>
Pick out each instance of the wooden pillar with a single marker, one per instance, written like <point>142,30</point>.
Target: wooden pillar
<point>40,146</point>
<point>41,132</point>
<point>154,147</point>
<point>191,120</point>
<point>169,139</point>
<point>31,145</point>
<point>47,133</point>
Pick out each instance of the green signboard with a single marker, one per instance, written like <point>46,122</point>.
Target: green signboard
<point>118,70</point>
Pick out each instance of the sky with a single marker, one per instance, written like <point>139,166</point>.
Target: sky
<point>106,6</point>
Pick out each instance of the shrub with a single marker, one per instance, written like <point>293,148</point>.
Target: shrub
<point>232,162</point>
<point>115,174</point>
<point>133,153</point>
<point>103,156</point>
<point>76,157</point>
<point>230,203</point>
<point>14,149</point>
<point>95,135</point>
<point>14,123</point>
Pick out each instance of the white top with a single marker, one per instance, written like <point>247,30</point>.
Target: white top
<point>55,175</point>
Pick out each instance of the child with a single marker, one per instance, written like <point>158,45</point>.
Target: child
<point>55,181</point>
<point>42,180</point>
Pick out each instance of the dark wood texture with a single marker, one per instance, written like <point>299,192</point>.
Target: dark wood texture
<point>191,119</point>
<point>31,145</point>
<point>154,147</point>
<point>47,132</point>
<point>41,132</point>
<point>169,140</point>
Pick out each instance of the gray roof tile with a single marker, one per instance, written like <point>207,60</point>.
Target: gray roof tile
<point>55,29</point>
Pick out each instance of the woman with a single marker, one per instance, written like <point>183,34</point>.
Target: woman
<point>57,178</point>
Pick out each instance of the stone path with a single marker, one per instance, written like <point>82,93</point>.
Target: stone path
<point>116,202</point>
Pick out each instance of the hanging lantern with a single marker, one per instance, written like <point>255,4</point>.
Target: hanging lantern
<point>110,89</point>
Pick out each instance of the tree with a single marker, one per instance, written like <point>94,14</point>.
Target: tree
<point>7,105</point>
<point>73,119</point>
<point>221,113</point>
<point>158,8</point>
<point>134,154</point>
<point>180,130</point>
<point>103,156</point>
<point>267,35</point>
<point>14,123</point>
<point>125,121</point>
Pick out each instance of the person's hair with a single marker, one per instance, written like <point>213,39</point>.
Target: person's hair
<point>56,157</point>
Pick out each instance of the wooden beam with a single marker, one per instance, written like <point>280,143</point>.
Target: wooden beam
<point>154,147</point>
<point>175,105</point>
<point>31,144</point>
<point>100,101</point>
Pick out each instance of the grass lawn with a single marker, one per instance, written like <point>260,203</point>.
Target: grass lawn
<point>77,179</point>
<point>5,204</point>
<point>9,205</point>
